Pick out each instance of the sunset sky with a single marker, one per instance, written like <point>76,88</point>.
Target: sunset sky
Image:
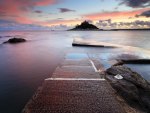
<point>64,14</point>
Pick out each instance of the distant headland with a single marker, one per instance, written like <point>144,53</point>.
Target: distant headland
<point>86,26</point>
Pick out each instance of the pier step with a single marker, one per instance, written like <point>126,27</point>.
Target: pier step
<point>81,62</point>
<point>75,72</point>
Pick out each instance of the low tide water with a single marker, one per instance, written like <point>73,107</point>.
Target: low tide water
<point>24,66</point>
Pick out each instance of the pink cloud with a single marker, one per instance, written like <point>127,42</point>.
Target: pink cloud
<point>15,6</point>
<point>24,20</point>
<point>114,15</point>
<point>64,10</point>
<point>38,11</point>
<point>46,2</point>
<point>18,9</point>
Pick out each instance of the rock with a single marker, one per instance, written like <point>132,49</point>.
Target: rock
<point>129,75</point>
<point>124,88</point>
<point>15,40</point>
<point>133,88</point>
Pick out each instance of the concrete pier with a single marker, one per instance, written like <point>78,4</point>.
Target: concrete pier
<point>75,87</point>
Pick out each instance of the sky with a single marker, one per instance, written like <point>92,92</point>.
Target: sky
<point>65,14</point>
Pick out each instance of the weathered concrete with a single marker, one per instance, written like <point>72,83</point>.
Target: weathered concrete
<point>74,97</point>
<point>74,88</point>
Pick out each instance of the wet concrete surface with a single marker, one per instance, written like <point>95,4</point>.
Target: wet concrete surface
<point>79,62</point>
<point>75,72</point>
<point>74,87</point>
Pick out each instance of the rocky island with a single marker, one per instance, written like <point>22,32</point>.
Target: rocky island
<point>15,40</point>
<point>85,26</point>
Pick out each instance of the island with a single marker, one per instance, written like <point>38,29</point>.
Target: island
<point>85,26</point>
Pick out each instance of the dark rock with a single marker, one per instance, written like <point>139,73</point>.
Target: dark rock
<point>129,75</point>
<point>133,88</point>
<point>15,40</point>
<point>128,90</point>
<point>85,26</point>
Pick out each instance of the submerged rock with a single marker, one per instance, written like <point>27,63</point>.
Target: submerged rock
<point>15,40</point>
<point>133,88</point>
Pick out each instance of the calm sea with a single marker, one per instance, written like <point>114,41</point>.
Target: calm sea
<point>24,66</point>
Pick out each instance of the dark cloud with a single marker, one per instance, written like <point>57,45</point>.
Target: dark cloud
<point>38,11</point>
<point>12,25</point>
<point>116,8</point>
<point>63,10</point>
<point>6,21</point>
<point>145,13</point>
<point>60,18</point>
<point>136,3</point>
<point>108,24</point>
<point>61,27</point>
<point>142,23</point>
<point>104,23</point>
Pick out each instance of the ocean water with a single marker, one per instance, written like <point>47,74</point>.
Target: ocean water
<point>24,66</point>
